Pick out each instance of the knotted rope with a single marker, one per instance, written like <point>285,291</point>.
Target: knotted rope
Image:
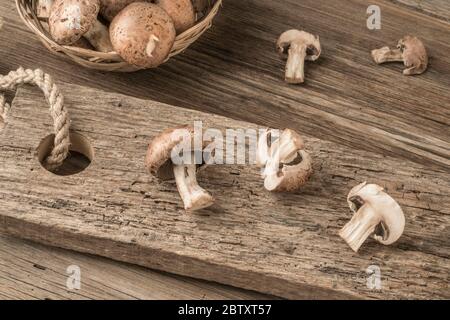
<point>57,110</point>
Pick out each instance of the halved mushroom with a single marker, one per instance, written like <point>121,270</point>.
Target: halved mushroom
<point>376,213</point>
<point>159,162</point>
<point>287,166</point>
<point>72,19</point>
<point>298,46</point>
<point>410,50</point>
<point>143,34</point>
<point>181,11</point>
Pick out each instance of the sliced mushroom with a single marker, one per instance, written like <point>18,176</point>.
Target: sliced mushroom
<point>72,19</point>
<point>410,50</point>
<point>298,46</point>
<point>181,11</point>
<point>159,163</point>
<point>287,166</point>
<point>376,213</point>
<point>143,34</point>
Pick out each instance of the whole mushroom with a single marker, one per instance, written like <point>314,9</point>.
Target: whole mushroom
<point>376,213</point>
<point>297,46</point>
<point>287,166</point>
<point>72,19</point>
<point>181,11</point>
<point>143,34</point>
<point>410,50</point>
<point>111,8</point>
<point>160,163</point>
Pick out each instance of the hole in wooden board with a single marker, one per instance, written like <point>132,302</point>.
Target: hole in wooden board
<point>80,155</point>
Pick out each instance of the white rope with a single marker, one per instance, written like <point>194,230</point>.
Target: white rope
<point>57,110</point>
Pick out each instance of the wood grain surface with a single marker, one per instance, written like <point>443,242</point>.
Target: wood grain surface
<point>234,71</point>
<point>436,8</point>
<point>283,244</point>
<point>200,79</point>
<point>32,271</point>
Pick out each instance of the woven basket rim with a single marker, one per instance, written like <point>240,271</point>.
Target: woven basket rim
<point>110,61</point>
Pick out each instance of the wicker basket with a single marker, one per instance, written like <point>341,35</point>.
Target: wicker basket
<point>107,61</point>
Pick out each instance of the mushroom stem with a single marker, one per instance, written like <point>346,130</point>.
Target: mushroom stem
<point>98,36</point>
<point>194,197</point>
<point>360,227</point>
<point>151,45</point>
<point>295,66</point>
<point>387,54</point>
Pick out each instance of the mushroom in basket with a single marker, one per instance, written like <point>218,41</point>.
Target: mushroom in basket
<point>69,20</point>
<point>143,34</point>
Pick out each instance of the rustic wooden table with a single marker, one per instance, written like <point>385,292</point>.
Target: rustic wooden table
<point>233,71</point>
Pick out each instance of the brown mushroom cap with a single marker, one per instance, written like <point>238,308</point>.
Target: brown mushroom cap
<point>181,11</point>
<point>414,54</point>
<point>158,159</point>
<point>143,34</point>
<point>70,19</point>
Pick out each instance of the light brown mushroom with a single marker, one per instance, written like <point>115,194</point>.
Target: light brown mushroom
<point>297,46</point>
<point>410,50</point>
<point>72,19</point>
<point>286,165</point>
<point>375,213</point>
<point>160,162</point>
<point>181,11</point>
<point>143,34</point>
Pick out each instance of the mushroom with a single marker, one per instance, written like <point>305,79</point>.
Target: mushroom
<point>376,213</point>
<point>287,166</point>
<point>159,163</point>
<point>43,8</point>
<point>181,11</point>
<point>410,50</point>
<point>111,8</point>
<point>143,34</point>
<point>298,46</point>
<point>200,7</point>
<point>72,19</point>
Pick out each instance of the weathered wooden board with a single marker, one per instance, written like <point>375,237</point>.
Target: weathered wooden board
<point>32,271</point>
<point>286,245</point>
<point>234,70</point>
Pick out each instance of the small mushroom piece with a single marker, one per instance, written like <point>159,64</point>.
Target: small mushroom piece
<point>72,19</point>
<point>159,163</point>
<point>410,50</point>
<point>143,34</point>
<point>181,11</point>
<point>286,165</point>
<point>298,46</point>
<point>200,7</point>
<point>376,213</point>
<point>43,8</point>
